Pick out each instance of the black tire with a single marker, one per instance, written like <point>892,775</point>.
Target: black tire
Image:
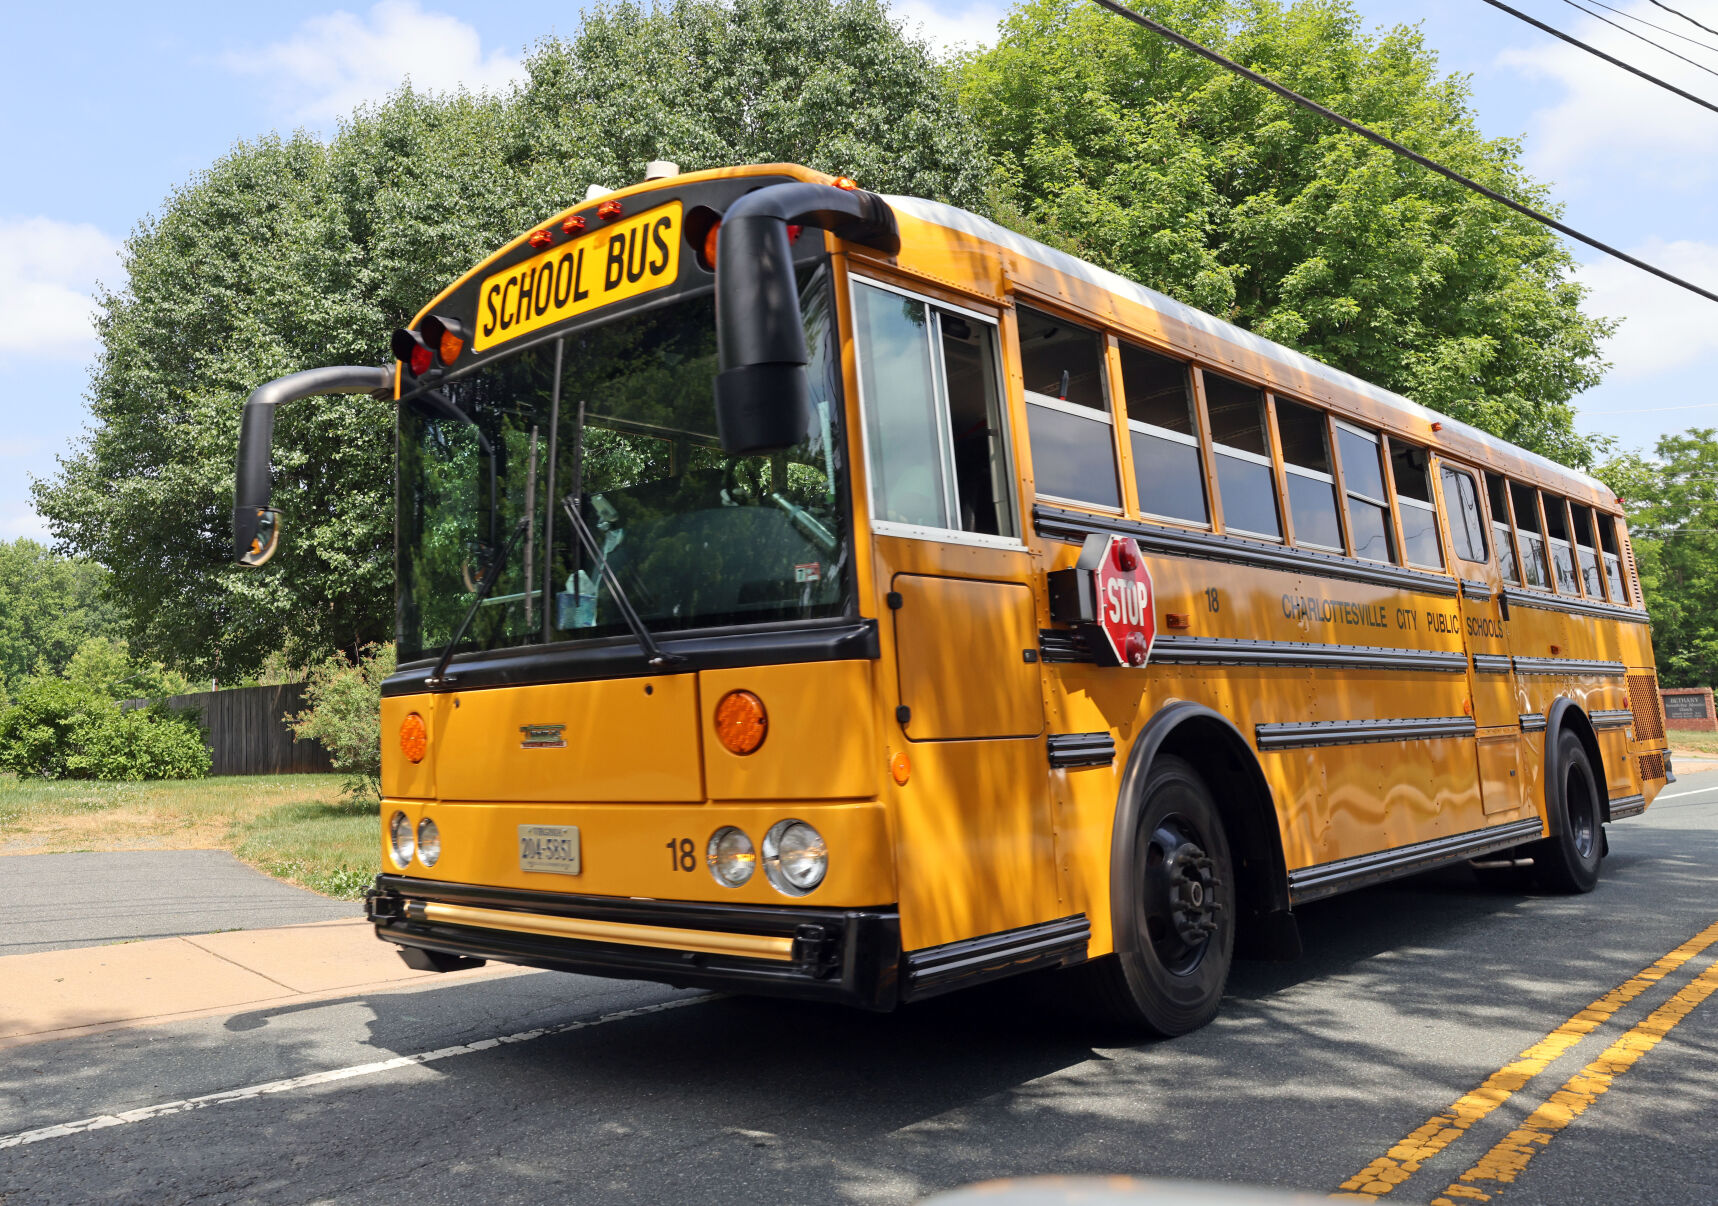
<point>1174,912</point>
<point>1569,860</point>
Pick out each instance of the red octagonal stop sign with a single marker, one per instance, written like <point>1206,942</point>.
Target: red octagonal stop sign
<point>1125,605</point>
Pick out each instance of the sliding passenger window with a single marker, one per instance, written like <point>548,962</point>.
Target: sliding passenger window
<point>1467,525</point>
<point>1067,412</point>
<point>1244,477</point>
<point>1164,436</point>
<point>1310,478</point>
<point>1533,564</point>
<point>1557,535</point>
<point>1500,530</point>
<point>1419,514</point>
<point>933,414</point>
<point>1613,559</point>
<point>1587,551</point>
<point>1368,502</point>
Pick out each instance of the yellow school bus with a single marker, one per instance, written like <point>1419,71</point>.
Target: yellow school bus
<point>812,592</point>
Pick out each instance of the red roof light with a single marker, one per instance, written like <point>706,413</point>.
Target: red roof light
<point>541,238</point>
<point>573,223</point>
<point>608,209</point>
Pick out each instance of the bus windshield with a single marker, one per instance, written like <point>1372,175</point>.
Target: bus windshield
<point>618,420</point>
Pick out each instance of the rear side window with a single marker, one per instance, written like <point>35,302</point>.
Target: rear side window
<point>1408,466</point>
<point>1533,563</point>
<point>1557,538</point>
<point>1163,436</point>
<point>1608,525</point>
<point>1245,480</point>
<point>1067,410</point>
<point>1587,552</point>
<point>1368,501</point>
<point>1310,478</point>
<point>1500,530</point>
<point>1467,524</point>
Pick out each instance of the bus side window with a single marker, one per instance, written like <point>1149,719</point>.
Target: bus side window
<point>1244,475</point>
<point>1467,528</point>
<point>1613,559</point>
<point>1368,501</point>
<point>1408,466</point>
<point>1500,530</point>
<point>1067,411</point>
<point>1562,555</point>
<point>933,415</point>
<point>1533,565</point>
<point>1310,477</point>
<point>1164,435</point>
<point>1587,551</point>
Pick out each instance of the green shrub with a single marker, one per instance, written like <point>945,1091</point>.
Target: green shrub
<point>344,712</point>
<point>63,730</point>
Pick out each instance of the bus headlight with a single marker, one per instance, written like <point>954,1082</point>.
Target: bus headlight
<point>400,839</point>
<point>731,857</point>
<point>429,842</point>
<point>795,857</point>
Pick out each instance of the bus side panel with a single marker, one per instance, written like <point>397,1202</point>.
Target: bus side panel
<point>822,738</point>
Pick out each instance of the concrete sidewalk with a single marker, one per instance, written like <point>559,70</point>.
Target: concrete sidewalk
<point>56,901</point>
<point>66,993</point>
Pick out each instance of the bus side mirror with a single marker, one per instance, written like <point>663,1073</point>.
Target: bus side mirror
<point>763,401</point>
<point>256,525</point>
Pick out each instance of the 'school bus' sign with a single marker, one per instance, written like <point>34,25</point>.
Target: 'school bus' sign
<point>623,259</point>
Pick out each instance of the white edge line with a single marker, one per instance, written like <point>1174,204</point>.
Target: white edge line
<point>1673,795</point>
<point>145,1113</point>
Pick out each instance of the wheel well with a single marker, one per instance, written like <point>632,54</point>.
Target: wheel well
<point>1567,714</point>
<point>1212,745</point>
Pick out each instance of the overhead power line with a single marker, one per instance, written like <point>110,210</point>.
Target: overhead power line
<point>1639,36</point>
<point>1572,40</point>
<point>1686,17</point>
<point>1371,135</point>
<point>1650,25</point>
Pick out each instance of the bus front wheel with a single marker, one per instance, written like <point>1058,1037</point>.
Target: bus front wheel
<point>1568,860</point>
<point>1175,911</point>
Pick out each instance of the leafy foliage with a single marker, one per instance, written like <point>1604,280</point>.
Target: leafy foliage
<point>290,254</point>
<point>49,606</point>
<point>59,729</point>
<point>1672,504</point>
<point>343,711</point>
<point>1163,167</point>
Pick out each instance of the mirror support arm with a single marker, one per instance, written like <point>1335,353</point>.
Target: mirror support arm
<point>256,528</point>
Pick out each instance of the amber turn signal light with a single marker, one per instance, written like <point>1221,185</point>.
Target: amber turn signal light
<point>414,738</point>
<point>710,246</point>
<point>741,722</point>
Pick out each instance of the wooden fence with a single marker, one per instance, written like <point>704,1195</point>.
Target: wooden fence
<point>245,731</point>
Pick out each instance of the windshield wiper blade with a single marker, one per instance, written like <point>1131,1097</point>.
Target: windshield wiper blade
<point>654,654</point>
<point>439,677</point>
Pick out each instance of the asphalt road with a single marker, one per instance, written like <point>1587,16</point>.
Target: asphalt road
<point>1409,998</point>
<point>54,901</point>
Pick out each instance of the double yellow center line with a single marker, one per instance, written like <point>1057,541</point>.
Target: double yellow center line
<point>1511,1154</point>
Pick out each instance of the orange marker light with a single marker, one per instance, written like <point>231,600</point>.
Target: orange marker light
<point>710,245</point>
<point>608,209</point>
<point>414,738</point>
<point>741,722</point>
<point>541,238</point>
<point>451,346</point>
<point>1177,619</point>
<point>900,768</point>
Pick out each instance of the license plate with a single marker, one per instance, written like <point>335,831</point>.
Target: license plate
<point>623,258</point>
<point>551,848</point>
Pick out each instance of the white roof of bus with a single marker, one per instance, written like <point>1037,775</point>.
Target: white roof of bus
<point>938,214</point>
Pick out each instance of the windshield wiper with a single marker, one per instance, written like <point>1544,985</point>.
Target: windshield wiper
<point>439,677</point>
<point>654,654</point>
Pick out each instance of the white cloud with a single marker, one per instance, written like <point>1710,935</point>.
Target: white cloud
<point>19,519</point>
<point>336,62</point>
<point>1605,127</point>
<point>1664,328</point>
<point>48,270</point>
<point>947,24</point>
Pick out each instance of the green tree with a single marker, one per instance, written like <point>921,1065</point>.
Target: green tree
<point>49,606</point>
<point>1672,504</point>
<point>289,253</point>
<point>343,711</point>
<point>1143,158</point>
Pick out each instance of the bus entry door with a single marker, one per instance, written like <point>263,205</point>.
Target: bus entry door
<point>1491,677</point>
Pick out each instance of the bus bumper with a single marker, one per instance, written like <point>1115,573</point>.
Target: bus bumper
<point>848,956</point>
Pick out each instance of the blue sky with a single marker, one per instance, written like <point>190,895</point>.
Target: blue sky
<point>105,109</point>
